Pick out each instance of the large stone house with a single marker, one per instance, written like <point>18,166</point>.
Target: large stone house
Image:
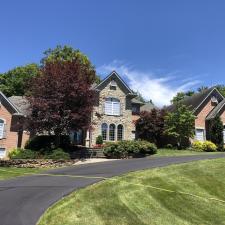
<point>114,114</point>
<point>12,133</point>
<point>205,106</point>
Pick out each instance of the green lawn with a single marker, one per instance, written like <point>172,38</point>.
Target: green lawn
<point>10,172</point>
<point>129,200</point>
<point>174,152</point>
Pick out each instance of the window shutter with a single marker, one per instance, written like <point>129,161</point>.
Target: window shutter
<point>5,130</point>
<point>108,108</point>
<point>116,108</point>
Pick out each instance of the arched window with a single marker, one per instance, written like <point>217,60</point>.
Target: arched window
<point>2,125</point>
<point>120,132</point>
<point>112,132</point>
<point>112,106</point>
<point>104,131</point>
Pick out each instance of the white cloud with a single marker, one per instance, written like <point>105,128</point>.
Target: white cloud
<point>159,88</point>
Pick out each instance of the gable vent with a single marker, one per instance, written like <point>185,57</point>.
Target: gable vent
<point>214,100</point>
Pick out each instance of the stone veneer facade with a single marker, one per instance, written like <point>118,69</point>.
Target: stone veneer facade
<point>99,117</point>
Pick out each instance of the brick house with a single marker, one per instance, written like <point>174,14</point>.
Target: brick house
<point>114,114</point>
<point>12,134</point>
<point>205,106</point>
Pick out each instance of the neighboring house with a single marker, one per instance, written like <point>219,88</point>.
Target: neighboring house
<point>12,134</point>
<point>205,106</point>
<point>115,112</point>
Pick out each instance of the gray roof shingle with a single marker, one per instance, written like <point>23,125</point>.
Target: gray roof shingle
<point>216,110</point>
<point>194,101</point>
<point>21,103</point>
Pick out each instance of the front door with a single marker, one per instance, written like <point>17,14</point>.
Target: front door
<point>76,137</point>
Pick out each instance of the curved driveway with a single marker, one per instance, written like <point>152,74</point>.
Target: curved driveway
<point>23,200</point>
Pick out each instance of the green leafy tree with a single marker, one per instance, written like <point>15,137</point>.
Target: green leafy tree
<point>67,53</point>
<point>180,124</point>
<point>216,132</point>
<point>15,81</point>
<point>202,88</point>
<point>181,95</point>
<point>221,88</point>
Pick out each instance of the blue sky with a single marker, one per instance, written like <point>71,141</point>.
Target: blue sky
<point>159,47</point>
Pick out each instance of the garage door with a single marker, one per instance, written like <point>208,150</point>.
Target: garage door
<point>199,134</point>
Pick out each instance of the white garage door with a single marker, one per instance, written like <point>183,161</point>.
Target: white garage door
<point>199,134</point>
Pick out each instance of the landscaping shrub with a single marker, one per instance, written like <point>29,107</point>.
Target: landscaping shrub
<point>123,149</point>
<point>47,142</point>
<point>206,146</point>
<point>57,154</point>
<point>99,140</point>
<point>169,146</point>
<point>197,146</point>
<point>19,153</point>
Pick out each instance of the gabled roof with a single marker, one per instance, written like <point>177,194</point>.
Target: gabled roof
<point>147,107</point>
<point>136,101</point>
<point>21,103</point>
<point>111,76</point>
<point>195,101</point>
<point>216,110</point>
<point>9,105</point>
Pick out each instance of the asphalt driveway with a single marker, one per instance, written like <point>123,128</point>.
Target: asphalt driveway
<point>23,200</point>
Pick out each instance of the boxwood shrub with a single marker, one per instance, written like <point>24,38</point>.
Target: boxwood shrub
<point>124,149</point>
<point>19,153</point>
<point>57,154</point>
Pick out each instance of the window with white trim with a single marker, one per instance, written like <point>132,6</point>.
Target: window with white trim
<point>112,129</point>
<point>200,134</point>
<point>112,106</point>
<point>2,153</point>
<point>2,127</point>
<point>120,132</point>
<point>104,131</point>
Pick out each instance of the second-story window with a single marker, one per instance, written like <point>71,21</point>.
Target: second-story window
<point>135,109</point>
<point>112,106</point>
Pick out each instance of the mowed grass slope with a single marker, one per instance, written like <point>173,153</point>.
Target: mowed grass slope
<point>129,199</point>
<point>10,172</point>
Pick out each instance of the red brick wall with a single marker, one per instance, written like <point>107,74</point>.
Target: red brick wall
<point>201,116</point>
<point>11,139</point>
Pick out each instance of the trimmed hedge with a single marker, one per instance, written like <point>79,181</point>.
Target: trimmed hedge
<point>124,149</point>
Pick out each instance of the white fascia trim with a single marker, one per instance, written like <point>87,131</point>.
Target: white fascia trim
<point>10,103</point>
<point>117,75</point>
<point>207,97</point>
